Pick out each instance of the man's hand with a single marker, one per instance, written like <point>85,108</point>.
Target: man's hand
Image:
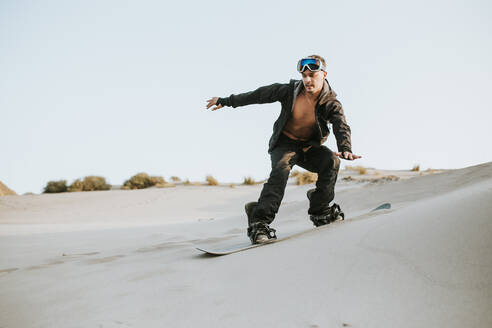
<point>347,155</point>
<point>212,102</point>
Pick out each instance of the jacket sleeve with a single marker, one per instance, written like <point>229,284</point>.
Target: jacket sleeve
<point>266,94</point>
<point>340,127</point>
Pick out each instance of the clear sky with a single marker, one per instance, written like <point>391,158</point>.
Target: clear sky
<point>114,88</point>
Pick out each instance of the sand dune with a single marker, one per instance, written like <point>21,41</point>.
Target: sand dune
<point>126,258</point>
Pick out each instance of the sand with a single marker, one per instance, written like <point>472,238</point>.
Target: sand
<point>127,258</point>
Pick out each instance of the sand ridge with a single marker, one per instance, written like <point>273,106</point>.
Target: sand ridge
<point>424,263</point>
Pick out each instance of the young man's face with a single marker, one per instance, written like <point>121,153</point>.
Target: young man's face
<point>313,81</point>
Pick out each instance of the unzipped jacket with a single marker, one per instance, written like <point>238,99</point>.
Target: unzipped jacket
<point>327,109</point>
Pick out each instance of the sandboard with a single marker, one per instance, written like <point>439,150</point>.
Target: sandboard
<point>229,249</point>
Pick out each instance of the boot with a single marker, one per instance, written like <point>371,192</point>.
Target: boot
<point>334,214</point>
<point>258,232</point>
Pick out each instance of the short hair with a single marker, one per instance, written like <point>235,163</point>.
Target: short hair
<point>320,58</point>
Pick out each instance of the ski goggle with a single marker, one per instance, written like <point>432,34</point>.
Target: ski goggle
<point>311,64</point>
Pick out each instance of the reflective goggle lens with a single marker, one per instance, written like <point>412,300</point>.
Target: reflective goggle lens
<point>310,63</point>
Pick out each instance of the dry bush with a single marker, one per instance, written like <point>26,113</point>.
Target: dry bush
<point>5,191</point>
<point>165,185</point>
<point>55,186</point>
<point>189,183</point>
<point>249,181</point>
<point>388,178</point>
<point>416,168</point>
<point>232,185</point>
<point>381,179</point>
<point>360,169</point>
<point>211,181</point>
<point>143,180</point>
<point>90,183</point>
<point>175,179</point>
<point>306,178</point>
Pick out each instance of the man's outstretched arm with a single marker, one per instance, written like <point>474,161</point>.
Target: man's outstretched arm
<point>342,132</point>
<point>262,95</point>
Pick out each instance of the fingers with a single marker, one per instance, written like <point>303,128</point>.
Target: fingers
<point>217,107</point>
<point>213,101</point>
<point>210,103</point>
<point>346,155</point>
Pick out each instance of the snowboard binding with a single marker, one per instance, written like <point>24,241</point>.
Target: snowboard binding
<point>258,232</point>
<point>335,214</point>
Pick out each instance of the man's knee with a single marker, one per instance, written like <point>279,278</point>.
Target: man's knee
<point>280,174</point>
<point>336,162</point>
<point>330,162</point>
<point>282,166</point>
<point>283,160</point>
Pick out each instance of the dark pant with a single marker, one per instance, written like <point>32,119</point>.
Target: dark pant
<point>284,156</point>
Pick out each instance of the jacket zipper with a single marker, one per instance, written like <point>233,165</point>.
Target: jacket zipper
<point>317,122</point>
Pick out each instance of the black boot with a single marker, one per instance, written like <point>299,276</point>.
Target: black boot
<point>334,214</point>
<point>258,232</point>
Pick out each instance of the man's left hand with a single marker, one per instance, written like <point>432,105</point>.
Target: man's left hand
<point>347,155</point>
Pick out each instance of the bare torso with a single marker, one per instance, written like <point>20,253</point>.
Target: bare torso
<point>302,122</point>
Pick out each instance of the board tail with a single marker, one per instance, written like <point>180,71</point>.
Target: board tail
<point>385,206</point>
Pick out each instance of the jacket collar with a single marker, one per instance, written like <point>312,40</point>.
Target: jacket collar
<point>326,94</point>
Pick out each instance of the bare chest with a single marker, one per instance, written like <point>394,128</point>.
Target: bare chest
<point>303,112</point>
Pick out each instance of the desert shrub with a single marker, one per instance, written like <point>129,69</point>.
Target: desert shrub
<point>56,186</point>
<point>360,169</point>
<point>390,178</point>
<point>249,181</point>
<point>90,183</point>
<point>416,168</point>
<point>306,178</point>
<point>386,178</point>
<point>5,191</point>
<point>76,186</point>
<point>190,183</point>
<point>143,180</point>
<point>156,180</point>
<point>175,179</point>
<point>232,185</point>
<point>211,181</point>
<point>165,185</point>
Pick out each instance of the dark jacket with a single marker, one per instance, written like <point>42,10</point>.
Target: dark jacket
<point>328,110</point>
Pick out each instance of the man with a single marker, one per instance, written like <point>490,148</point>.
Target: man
<point>298,136</point>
